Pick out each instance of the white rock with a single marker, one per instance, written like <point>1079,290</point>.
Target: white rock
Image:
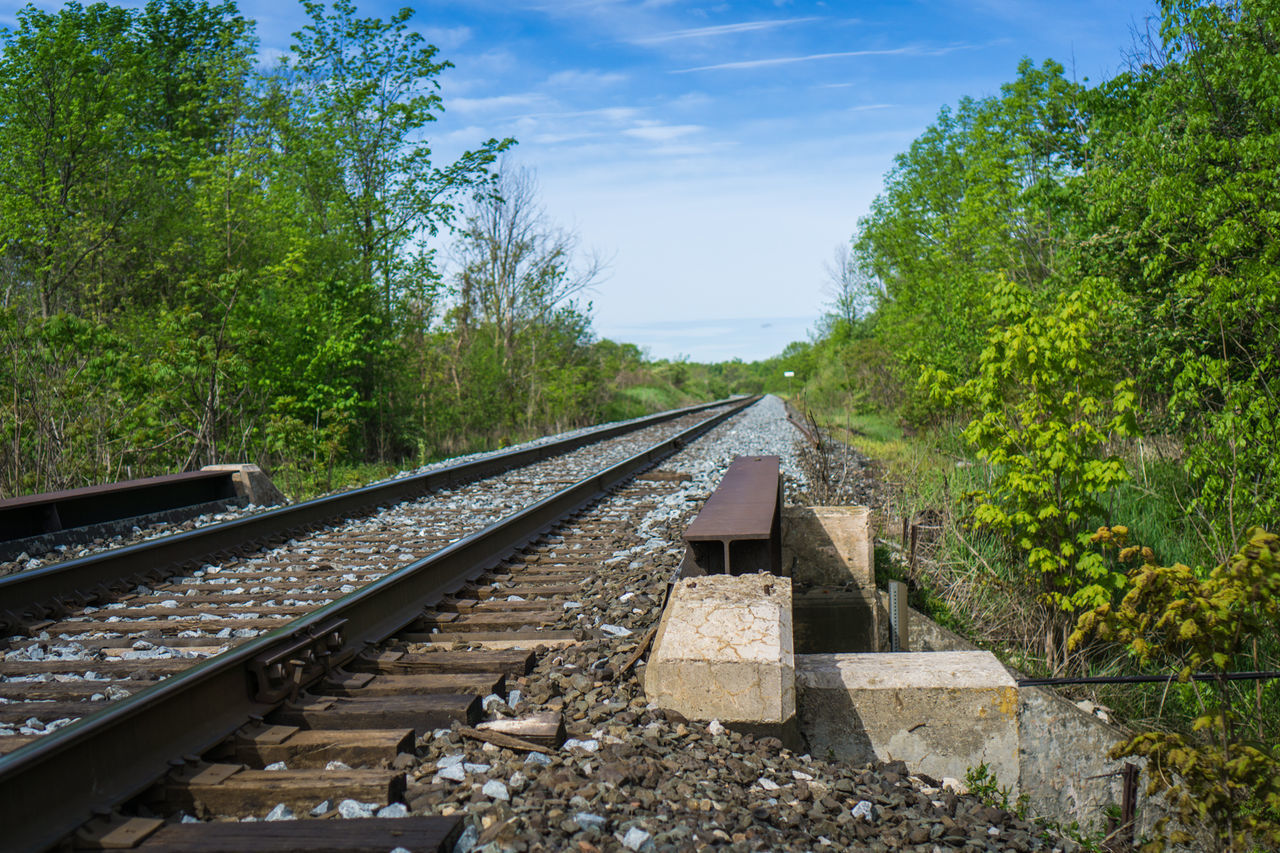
<point>615,630</point>
<point>354,809</point>
<point>495,790</point>
<point>337,765</point>
<point>715,728</point>
<point>635,838</point>
<point>863,810</point>
<point>281,812</point>
<point>394,810</point>
<point>767,783</point>
<point>320,809</point>
<point>276,765</point>
<point>467,841</point>
<point>589,745</point>
<point>453,773</point>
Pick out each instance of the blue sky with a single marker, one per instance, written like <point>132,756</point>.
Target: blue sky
<point>719,152</point>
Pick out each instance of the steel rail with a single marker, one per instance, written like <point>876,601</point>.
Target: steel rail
<point>53,785</point>
<point>51,591</point>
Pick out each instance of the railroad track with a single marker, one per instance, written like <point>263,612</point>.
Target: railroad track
<point>108,689</point>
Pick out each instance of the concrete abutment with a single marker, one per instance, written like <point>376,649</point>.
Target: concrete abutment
<point>805,653</point>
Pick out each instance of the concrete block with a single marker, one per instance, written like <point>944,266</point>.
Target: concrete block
<point>940,712</point>
<point>724,650</point>
<point>828,545</point>
<point>252,484</point>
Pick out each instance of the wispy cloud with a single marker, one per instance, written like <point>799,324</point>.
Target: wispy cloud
<point>447,38</point>
<point>497,102</point>
<point>656,131</point>
<point>575,78</point>
<point>909,50</point>
<point>864,107</point>
<point>721,30</point>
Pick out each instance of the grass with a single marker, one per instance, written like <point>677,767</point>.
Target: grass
<point>306,480</point>
<point>638,400</point>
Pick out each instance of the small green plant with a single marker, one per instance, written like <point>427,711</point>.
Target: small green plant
<point>1215,775</point>
<point>1046,414</point>
<point>981,782</point>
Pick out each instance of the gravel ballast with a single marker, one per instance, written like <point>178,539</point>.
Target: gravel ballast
<point>635,777</point>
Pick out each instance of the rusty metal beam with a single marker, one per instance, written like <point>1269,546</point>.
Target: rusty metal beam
<point>739,529</point>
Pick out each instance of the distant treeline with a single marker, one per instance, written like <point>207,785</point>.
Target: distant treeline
<point>1062,237</point>
<point>204,259</point>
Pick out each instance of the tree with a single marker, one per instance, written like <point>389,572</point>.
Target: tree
<point>1046,414</point>
<point>983,195</point>
<point>851,289</point>
<point>364,90</point>
<point>69,91</point>
<point>1183,199</point>
<point>514,265</point>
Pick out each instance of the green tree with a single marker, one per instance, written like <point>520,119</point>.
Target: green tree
<point>1183,203</point>
<point>1046,413</point>
<point>70,85</point>
<point>364,89</point>
<point>983,195</point>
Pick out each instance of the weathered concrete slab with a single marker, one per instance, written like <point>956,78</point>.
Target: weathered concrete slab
<point>1064,768</point>
<point>724,650</point>
<point>252,484</point>
<point>940,712</point>
<point>828,545</point>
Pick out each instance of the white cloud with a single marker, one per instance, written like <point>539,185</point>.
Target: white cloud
<point>721,30</point>
<point>656,131</point>
<point>560,138</point>
<point>614,115</point>
<point>446,38</point>
<point>909,50</point>
<point>691,101</point>
<point>495,103</point>
<point>574,78</point>
<point>269,57</point>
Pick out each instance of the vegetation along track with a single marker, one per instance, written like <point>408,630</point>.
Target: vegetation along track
<point>274,618</point>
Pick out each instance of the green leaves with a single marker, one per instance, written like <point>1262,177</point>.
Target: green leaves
<point>979,197</point>
<point>1175,618</point>
<point>1047,416</point>
<point>1182,198</point>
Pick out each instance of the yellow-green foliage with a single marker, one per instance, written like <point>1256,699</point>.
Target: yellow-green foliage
<point>1046,412</point>
<point>1172,616</point>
